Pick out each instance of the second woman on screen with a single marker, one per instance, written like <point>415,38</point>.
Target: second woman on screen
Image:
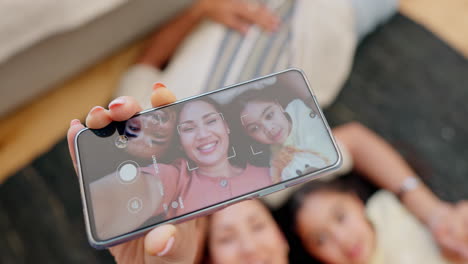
<point>212,163</point>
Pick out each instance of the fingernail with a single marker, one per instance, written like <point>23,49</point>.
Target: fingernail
<point>158,85</point>
<point>168,247</point>
<point>96,109</point>
<point>117,102</point>
<point>75,122</point>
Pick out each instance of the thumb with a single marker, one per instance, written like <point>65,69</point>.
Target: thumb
<point>159,241</point>
<point>173,243</point>
<point>75,127</point>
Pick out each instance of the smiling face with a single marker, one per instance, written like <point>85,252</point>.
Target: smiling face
<point>203,133</point>
<point>246,233</point>
<point>333,227</point>
<point>151,133</point>
<point>265,122</point>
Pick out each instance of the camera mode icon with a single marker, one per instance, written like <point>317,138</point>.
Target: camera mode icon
<point>134,205</point>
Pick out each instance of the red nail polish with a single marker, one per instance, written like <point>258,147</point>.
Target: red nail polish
<point>96,109</point>
<point>158,85</point>
<point>117,102</point>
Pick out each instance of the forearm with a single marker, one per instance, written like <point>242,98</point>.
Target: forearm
<point>374,158</point>
<point>168,37</point>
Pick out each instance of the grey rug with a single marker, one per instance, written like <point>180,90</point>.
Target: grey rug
<point>411,88</point>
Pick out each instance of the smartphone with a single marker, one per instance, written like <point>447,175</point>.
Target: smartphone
<point>190,158</point>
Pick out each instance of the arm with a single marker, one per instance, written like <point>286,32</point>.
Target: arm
<point>167,39</point>
<point>163,244</point>
<point>382,165</point>
<point>234,14</point>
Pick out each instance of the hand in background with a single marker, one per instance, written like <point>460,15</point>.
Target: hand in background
<point>163,244</point>
<point>238,14</point>
<point>449,226</point>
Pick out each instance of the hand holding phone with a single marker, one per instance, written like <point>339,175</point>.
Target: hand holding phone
<point>190,158</point>
<point>166,243</point>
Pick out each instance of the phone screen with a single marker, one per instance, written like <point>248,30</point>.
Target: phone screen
<point>169,162</point>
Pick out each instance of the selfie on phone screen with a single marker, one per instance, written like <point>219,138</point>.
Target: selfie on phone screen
<point>203,151</point>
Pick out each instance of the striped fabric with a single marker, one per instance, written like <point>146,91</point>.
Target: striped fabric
<point>258,53</point>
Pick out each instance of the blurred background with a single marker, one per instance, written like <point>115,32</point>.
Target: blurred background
<point>409,83</point>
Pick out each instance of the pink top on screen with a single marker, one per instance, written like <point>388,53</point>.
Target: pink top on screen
<point>186,191</point>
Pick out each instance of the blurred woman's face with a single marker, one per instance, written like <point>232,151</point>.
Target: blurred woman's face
<point>333,227</point>
<point>203,133</point>
<point>151,133</point>
<point>246,233</point>
<point>265,122</point>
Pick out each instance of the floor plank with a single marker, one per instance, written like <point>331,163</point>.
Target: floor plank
<point>447,19</point>
<point>35,128</point>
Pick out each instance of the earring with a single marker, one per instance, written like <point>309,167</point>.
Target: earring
<point>188,167</point>
<point>234,153</point>
<point>242,119</point>
<point>255,153</point>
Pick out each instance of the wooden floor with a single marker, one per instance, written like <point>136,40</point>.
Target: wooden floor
<point>35,128</point>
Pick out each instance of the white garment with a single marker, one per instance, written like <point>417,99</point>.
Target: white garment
<point>301,162</point>
<point>184,75</point>
<point>277,199</point>
<point>401,238</point>
<point>323,43</point>
<point>308,132</point>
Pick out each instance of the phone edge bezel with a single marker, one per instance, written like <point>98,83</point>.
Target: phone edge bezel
<point>259,193</point>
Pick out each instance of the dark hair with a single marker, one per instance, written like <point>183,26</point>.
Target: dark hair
<point>250,95</point>
<point>167,157</point>
<point>296,201</point>
<point>259,95</point>
<point>286,215</point>
<point>240,160</point>
<point>237,106</point>
<point>352,182</point>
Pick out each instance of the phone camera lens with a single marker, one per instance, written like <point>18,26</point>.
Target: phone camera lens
<point>121,141</point>
<point>312,114</point>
